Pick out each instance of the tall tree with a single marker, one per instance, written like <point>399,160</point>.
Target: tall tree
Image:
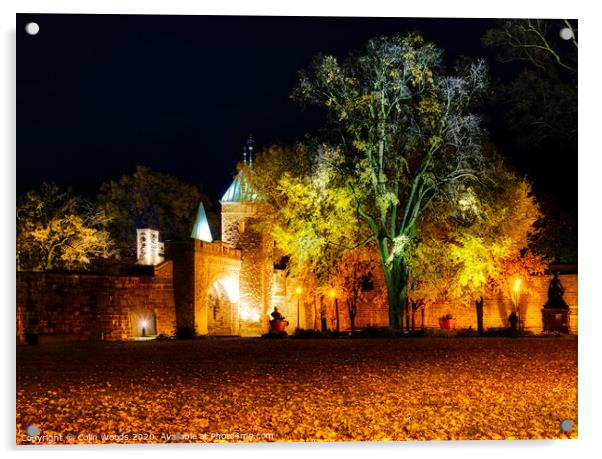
<point>407,133</point>
<point>149,199</point>
<point>59,230</point>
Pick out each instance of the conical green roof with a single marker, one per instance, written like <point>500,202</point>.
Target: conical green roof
<point>239,191</point>
<point>201,230</point>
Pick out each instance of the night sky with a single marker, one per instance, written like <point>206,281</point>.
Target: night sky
<point>97,95</point>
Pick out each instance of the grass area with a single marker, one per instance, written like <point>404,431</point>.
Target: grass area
<point>303,390</point>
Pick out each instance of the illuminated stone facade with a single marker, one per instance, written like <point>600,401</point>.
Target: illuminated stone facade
<point>229,288</point>
<point>263,287</point>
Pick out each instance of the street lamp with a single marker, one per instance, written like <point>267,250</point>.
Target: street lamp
<point>298,291</point>
<point>143,324</point>
<point>333,295</point>
<point>516,297</point>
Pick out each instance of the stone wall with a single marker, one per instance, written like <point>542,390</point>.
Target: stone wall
<point>496,309</point>
<point>184,258</point>
<point>234,218</point>
<point>66,306</point>
<point>255,278</point>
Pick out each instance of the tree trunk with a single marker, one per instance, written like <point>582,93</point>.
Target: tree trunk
<point>352,310</point>
<point>323,315</point>
<point>336,308</point>
<point>479,305</point>
<point>397,291</point>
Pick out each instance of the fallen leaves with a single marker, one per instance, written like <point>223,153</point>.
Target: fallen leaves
<point>298,390</point>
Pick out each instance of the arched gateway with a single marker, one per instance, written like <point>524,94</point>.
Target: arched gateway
<point>229,287</point>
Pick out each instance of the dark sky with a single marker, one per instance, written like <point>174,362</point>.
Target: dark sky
<point>99,94</point>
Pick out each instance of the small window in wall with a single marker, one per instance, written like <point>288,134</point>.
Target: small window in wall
<point>241,227</point>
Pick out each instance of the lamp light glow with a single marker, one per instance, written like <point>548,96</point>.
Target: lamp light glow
<point>249,314</point>
<point>232,289</point>
<point>517,284</point>
<point>298,290</point>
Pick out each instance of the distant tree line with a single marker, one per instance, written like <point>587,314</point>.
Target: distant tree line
<point>59,230</point>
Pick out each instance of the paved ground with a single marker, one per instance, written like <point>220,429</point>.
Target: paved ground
<point>308,390</point>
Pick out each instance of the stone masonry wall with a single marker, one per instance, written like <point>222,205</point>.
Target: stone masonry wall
<point>496,309</point>
<point>184,258</point>
<point>255,278</point>
<point>94,306</point>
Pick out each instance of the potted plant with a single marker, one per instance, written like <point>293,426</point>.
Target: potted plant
<point>447,322</point>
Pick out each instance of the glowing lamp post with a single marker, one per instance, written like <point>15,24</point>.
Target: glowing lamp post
<point>298,291</point>
<point>516,297</point>
<point>333,295</point>
<point>143,324</point>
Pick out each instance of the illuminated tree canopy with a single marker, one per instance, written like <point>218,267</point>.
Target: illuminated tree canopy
<point>58,230</point>
<point>481,246</point>
<point>407,132</point>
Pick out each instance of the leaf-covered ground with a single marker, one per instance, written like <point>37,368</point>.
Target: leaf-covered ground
<point>297,390</point>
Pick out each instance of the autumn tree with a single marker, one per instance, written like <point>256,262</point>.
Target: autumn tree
<point>59,230</point>
<point>149,199</point>
<point>312,217</point>
<point>353,269</point>
<point>407,131</point>
<point>481,245</point>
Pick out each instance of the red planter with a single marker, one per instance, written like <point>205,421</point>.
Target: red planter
<point>447,324</point>
<point>278,325</point>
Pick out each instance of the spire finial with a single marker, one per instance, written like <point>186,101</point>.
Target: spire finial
<point>250,149</point>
